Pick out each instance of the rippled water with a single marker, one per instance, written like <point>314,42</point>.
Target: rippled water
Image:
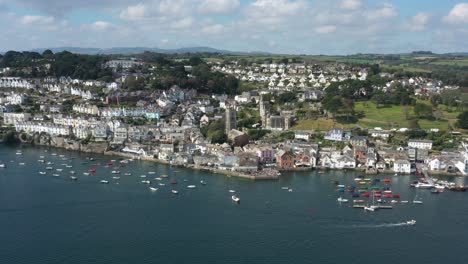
<point>46,219</point>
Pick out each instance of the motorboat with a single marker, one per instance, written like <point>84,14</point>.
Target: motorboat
<point>394,201</point>
<point>115,172</point>
<point>41,160</point>
<point>411,222</point>
<point>422,185</point>
<point>104,182</point>
<point>85,173</point>
<point>73,178</point>
<point>175,192</point>
<point>371,208</point>
<point>342,200</point>
<point>146,182</point>
<point>290,190</point>
<point>153,189</point>
<point>116,177</point>
<point>56,175</point>
<point>92,170</point>
<point>127,174</point>
<point>173,182</point>
<point>59,170</point>
<point>235,199</point>
<point>417,202</point>
<point>404,202</point>
<point>142,176</point>
<point>158,179</point>
<point>232,191</point>
<point>202,182</point>
<point>72,172</point>
<point>21,163</point>
<point>42,173</point>
<point>191,186</point>
<point>2,165</point>
<point>151,172</point>
<point>49,168</point>
<point>164,176</point>
<point>19,153</point>
<point>162,184</point>
<point>284,188</point>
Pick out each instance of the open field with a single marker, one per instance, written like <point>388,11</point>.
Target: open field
<point>384,117</point>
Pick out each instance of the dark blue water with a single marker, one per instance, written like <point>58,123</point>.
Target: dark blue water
<point>45,219</point>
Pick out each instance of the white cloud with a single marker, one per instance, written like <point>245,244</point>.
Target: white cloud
<point>175,7</point>
<point>276,8</point>
<point>351,4</point>
<point>458,14</point>
<point>184,23</point>
<point>35,20</point>
<point>418,22</point>
<point>101,25</point>
<point>384,12</point>
<point>326,29</point>
<point>213,29</point>
<point>134,12</point>
<point>218,6</point>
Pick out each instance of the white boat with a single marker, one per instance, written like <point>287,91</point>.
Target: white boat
<point>49,168</point>
<point>73,178</point>
<point>56,175</point>
<point>142,176</point>
<point>41,157</point>
<point>115,172</point>
<point>104,182</point>
<point>72,172</point>
<point>232,191</point>
<point>127,174</point>
<point>59,170</point>
<point>145,182</point>
<point>421,185</point>
<point>158,179</point>
<point>21,163</point>
<point>162,184</point>
<point>116,177</point>
<point>42,173</point>
<point>54,154</point>
<point>164,176</point>
<point>411,222</point>
<point>175,192</point>
<point>41,161</point>
<point>439,186</point>
<point>69,166</point>
<point>85,173</point>
<point>151,172</point>
<point>50,163</point>
<point>19,153</point>
<point>2,165</point>
<point>394,201</point>
<point>417,202</point>
<point>342,200</point>
<point>191,186</point>
<point>404,202</point>
<point>371,208</point>
<point>290,190</point>
<point>153,189</point>
<point>202,182</point>
<point>284,188</point>
<point>235,199</point>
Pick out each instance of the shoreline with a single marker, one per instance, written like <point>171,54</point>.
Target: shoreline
<point>227,172</point>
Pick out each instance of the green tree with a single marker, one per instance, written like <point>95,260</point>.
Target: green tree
<point>423,110</point>
<point>463,120</point>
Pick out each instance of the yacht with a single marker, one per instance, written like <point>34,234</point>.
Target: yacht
<point>151,172</point>
<point>2,165</point>
<point>417,202</point>
<point>116,177</point>
<point>404,202</point>
<point>145,182</point>
<point>85,173</point>
<point>191,186</point>
<point>127,174</point>
<point>232,191</point>
<point>115,172</point>
<point>153,189</point>
<point>104,182</point>
<point>411,222</point>
<point>73,178</point>
<point>42,173</point>
<point>422,185</point>
<point>342,200</point>
<point>371,208</point>
<point>162,184</point>
<point>175,192</point>
<point>49,168</point>
<point>235,199</point>
<point>21,163</point>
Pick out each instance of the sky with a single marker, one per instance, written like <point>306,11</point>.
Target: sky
<point>280,26</point>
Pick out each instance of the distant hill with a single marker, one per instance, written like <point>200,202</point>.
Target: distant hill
<point>136,50</point>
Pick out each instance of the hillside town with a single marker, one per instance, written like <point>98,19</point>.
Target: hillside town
<point>249,134</point>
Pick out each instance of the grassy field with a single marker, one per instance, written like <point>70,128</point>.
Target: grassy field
<point>384,117</point>
<point>454,62</point>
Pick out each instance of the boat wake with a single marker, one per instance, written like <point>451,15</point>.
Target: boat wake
<point>383,225</point>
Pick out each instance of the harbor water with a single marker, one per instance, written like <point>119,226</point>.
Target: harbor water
<point>54,219</point>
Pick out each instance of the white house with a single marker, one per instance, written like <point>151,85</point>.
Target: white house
<point>420,144</point>
<point>402,166</point>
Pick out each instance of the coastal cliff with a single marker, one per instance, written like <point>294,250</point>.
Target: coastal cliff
<point>43,139</point>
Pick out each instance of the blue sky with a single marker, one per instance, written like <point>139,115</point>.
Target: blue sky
<point>281,26</point>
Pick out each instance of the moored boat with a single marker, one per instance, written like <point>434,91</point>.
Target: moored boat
<point>235,199</point>
<point>175,192</point>
<point>104,182</point>
<point>153,189</point>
